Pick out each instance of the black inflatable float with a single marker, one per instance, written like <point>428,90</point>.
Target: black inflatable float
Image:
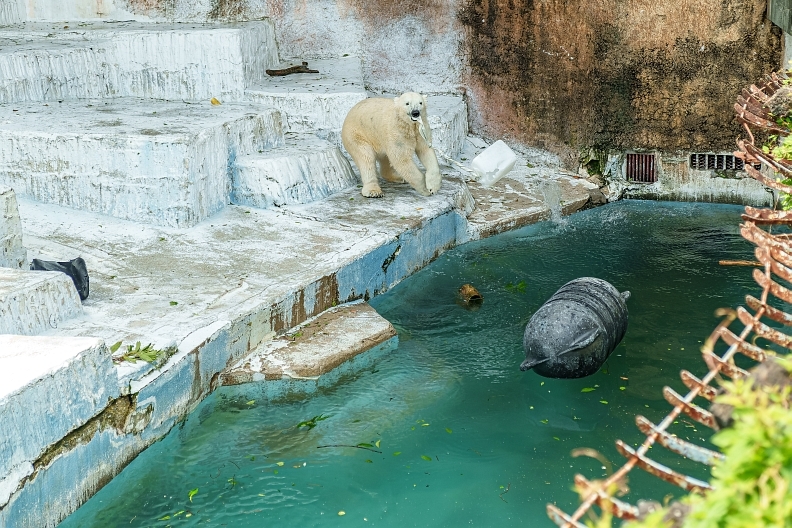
<point>573,333</point>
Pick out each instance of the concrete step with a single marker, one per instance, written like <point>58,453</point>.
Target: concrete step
<point>449,124</point>
<point>54,62</point>
<point>49,386</point>
<point>163,163</point>
<point>305,169</point>
<point>316,347</point>
<point>313,102</point>
<point>12,253</point>
<point>34,302</point>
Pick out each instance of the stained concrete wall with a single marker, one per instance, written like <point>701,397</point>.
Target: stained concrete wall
<point>612,74</point>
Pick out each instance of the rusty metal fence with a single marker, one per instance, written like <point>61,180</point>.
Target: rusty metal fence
<point>774,253</point>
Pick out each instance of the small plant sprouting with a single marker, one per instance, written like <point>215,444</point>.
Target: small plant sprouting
<point>147,353</point>
<point>310,424</point>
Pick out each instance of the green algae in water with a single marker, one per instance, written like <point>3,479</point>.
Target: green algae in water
<point>457,434</point>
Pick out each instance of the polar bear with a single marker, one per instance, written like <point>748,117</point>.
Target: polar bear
<point>388,132</point>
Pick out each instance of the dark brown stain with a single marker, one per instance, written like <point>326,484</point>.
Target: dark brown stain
<point>439,14</point>
<point>614,74</point>
<point>228,10</point>
<point>284,317</point>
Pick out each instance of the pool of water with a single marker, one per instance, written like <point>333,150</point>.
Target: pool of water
<point>448,431</point>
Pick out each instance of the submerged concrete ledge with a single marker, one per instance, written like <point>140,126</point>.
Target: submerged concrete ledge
<point>214,293</point>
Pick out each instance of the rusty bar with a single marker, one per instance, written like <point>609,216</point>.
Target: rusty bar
<point>779,316</point>
<point>762,238</point>
<point>689,450</point>
<point>605,501</point>
<point>780,256</point>
<point>562,519</point>
<point>747,349</point>
<point>685,482</point>
<point>724,367</point>
<point>692,382</point>
<point>764,331</point>
<point>775,289</point>
<point>767,216</point>
<point>765,257</point>
<point>699,414</point>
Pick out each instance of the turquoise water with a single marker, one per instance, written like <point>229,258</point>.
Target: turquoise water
<point>465,437</point>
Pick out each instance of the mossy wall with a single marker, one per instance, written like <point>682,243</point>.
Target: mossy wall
<point>615,74</point>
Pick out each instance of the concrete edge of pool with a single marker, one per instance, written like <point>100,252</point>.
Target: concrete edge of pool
<point>300,261</point>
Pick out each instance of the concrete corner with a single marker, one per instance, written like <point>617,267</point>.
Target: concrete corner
<point>33,302</point>
<point>12,253</point>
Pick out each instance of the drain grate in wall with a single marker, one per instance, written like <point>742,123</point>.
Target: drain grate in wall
<point>717,162</point>
<point>641,168</point>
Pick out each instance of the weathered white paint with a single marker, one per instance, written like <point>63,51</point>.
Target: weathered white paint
<point>48,387</point>
<point>12,12</point>
<point>45,62</point>
<point>12,253</point>
<point>448,121</point>
<point>304,170</point>
<point>312,102</point>
<point>165,163</point>
<point>33,302</point>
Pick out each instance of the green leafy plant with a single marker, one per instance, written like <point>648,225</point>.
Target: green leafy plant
<point>147,353</point>
<point>310,424</point>
<point>753,485</point>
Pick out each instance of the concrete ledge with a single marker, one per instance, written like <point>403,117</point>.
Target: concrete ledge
<point>53,62</point>
<point>304,170</point>
<point>448,121</point>
<point>315,347</point>
<point>12,253</point>
<point>34,302</point>
<point>312,102</point>
<point>48,388</point>
<point>155,162</point>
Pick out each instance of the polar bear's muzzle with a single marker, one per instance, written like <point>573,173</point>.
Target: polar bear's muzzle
<point>415,115</point>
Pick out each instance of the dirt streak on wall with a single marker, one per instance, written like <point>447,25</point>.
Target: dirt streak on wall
<point>651,74</point>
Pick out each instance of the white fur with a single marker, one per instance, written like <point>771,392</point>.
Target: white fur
<point>384,132</point>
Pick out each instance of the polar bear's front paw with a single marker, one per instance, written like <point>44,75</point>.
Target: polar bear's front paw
<point>372,191</point>
<point>433,181</point>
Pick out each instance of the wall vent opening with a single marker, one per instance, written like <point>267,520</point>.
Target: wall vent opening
<point>641,168</point>
<point>718,162</point>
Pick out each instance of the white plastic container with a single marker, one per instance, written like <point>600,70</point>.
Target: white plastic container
<point>493,163</point>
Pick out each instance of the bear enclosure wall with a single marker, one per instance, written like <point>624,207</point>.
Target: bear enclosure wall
<point>566,75</point>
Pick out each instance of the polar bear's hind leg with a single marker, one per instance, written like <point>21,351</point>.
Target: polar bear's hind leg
<point>366,160</point>
<point>386,170</point>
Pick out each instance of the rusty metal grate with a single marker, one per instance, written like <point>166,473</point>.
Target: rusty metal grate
<point>774,253</point>
<point>718,162</point>
<point>641,168</point>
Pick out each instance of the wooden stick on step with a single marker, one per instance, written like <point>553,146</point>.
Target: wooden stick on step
<point>303,68</point>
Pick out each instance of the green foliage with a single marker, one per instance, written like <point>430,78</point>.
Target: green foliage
<point>752,486</point>
<point>310,424</point>
<point>148,353</point>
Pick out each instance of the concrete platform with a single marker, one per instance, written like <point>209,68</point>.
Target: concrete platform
<point>164,163</point>
<point>49,386</point>
<point>313,102</point>
<point>12,253</point>
<point>305,169</point>
<point>79,60</point>
<point>35,302</point>
<point>315,347</point>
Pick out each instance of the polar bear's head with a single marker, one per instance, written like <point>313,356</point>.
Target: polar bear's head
<point>412,104</point>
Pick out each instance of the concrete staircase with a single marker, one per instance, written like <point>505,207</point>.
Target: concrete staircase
<point>166,124</point>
